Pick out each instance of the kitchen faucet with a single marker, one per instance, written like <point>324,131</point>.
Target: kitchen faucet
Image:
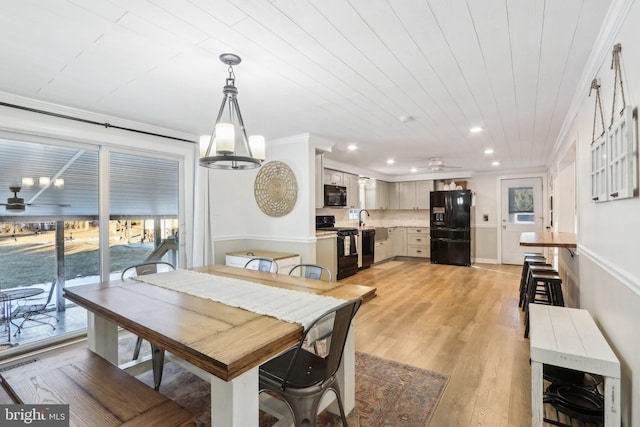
<point>360,216</point>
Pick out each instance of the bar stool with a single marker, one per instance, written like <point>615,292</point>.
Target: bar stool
<point>528,254</point>
<point>528,260</point>
<point>534,266</point>
<point>550,292</point>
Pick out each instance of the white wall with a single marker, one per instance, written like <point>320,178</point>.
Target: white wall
<point>604,275</point>
<point>238,221</point>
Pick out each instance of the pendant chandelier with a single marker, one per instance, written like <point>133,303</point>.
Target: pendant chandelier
<point>228,147</point>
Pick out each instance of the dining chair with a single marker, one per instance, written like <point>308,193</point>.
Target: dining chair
<point>157,353</point>
<point>34,311</point>
<point>262,264</point>
<point>302,377</point>
<point>312,271</point>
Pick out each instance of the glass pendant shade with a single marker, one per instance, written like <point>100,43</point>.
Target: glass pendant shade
<point>229,147</point>
<point>225,138</point>
<point>257,145</point>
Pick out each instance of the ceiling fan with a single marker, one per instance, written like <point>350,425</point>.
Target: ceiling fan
<point>17,205</point>
<point>437,165</point>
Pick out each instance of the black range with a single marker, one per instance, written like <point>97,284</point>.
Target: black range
<point>347,245</point>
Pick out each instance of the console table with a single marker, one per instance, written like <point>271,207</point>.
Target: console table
<point>569,338</point>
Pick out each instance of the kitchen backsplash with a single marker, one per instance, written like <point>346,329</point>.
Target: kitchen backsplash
<point>380,218</point>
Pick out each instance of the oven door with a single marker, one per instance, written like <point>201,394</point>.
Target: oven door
<point>347,256</point>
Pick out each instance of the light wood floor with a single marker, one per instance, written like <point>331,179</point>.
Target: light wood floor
<point>461,321</point>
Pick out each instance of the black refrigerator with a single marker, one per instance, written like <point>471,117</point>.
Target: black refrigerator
<point>451,227</point>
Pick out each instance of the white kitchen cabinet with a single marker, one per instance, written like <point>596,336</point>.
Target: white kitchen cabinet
<point>352,182</point>
<point>413,194</point>
<point>423,194</point>
<point>319,182</point>
<point>333,177</point>
<point>399,241</point>
<point>418,242</point>
<point>381,251</point>
<point>285,261</point>
<point>376,195</point>
<point>327,252</point>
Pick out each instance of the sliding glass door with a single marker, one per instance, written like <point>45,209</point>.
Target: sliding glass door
<point>50,229</point>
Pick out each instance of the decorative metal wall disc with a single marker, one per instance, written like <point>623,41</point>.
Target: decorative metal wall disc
<point>276,189</point>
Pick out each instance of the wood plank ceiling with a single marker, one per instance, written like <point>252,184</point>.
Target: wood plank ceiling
<point>347,70</point>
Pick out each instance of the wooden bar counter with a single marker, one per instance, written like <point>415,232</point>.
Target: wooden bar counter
<point>548,240</point>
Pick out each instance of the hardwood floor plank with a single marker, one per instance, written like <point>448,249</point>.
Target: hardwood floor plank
<point>462,321</point>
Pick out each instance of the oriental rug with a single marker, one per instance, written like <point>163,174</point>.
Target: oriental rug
<point>388,393</point>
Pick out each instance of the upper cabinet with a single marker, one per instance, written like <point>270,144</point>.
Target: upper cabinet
<point>410,194</point>
<point>333,177</point>
<point>376,195</point>
<point>352,182</point>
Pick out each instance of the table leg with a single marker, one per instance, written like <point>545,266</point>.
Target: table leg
<point>537,385</point>
<point>611,402</point>
<point>102,337</point>
<point>235,403</point>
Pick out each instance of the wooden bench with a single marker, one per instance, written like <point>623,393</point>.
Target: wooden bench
<point>569,338</point>
<point>98,393</point>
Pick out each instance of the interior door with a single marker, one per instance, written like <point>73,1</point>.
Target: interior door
<point>521,211</point>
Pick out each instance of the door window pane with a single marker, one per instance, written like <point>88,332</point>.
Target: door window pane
<point>521,209</point>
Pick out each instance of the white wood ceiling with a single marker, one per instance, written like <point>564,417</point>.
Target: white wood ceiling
<point>343,69</point>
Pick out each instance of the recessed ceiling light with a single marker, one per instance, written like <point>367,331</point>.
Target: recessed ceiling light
<point>414,170</point>
<point>390,161</point>
<point>352,147</point>
<point>475,129</point>
<point>496,163</point>
<point>488,151</point>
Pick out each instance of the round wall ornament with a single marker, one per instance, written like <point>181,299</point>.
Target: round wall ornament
<point>276,189</point>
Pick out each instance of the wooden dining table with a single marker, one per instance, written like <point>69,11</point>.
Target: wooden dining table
<point>225,344</point>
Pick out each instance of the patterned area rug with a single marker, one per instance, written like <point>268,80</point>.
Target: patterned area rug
<point>388,393</point>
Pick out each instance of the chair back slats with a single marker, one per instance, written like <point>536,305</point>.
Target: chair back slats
<point>312,271</point>
<point>342,316</point>
<point>341,326</point>
<point>146,268</point>
<point>264,264</point>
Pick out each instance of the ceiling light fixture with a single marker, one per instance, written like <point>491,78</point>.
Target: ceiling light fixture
<point>488,151</point>
<point>390,161</point>
<point>475,129</point>
<point>496,163</point>
<point>414,170</point>
<point>224,150</point>
<point>44,181</point>
<point>352,147</point>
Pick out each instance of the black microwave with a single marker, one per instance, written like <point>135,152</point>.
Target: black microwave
<point>335,195</point>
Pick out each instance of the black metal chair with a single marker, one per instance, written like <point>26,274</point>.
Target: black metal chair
<point>312,271</point>
<point>157,353</point>
<point>34,311</point>
<point>263,264</point>
<point>302,377</point>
